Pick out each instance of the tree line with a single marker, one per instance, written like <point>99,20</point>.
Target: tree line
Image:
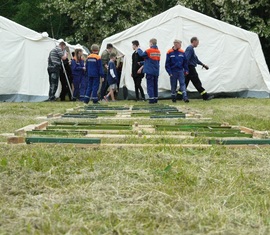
<point>89,21</point>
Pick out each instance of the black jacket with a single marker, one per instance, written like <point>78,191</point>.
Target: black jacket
<point>135,66</point>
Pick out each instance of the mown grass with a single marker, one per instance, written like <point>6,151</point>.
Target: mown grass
<point>63,189</point>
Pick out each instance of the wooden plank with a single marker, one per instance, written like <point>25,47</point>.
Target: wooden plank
<point>260,134</point>
<point>223,135</point>
<point>41,126</point>
<point>30,140</point>
<point>55,132</point>
<point>15,140</point>
<point>22,131</point>
<point>190,146</point>
<point>92,127</point>
<point>241,142</point>
<point>70,123</point>
<point>123,136</point>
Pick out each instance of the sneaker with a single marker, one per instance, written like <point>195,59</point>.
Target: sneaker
<point>209,97</point>
<point>186,100</point>
<point>96,102</point>
<point>105,98</point>
<point>174,100</point>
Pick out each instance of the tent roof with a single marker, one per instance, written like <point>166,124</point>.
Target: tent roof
<point>20,30</point>
<point>220,44</point>
<point>183,12</point>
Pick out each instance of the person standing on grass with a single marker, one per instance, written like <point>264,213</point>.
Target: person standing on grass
<point>111,77</point>
<point>105,57</point>
<point>65,88</point>
<point>95,72</point>
<point>151,69</point>
<point>54,64</point>
<point>177,66</point>
<point>193,76</point>
<point>78,71</point>
<point>136,71</point>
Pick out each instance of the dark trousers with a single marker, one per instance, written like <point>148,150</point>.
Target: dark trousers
<point>54,80</point>
<point>138,87</point>
<point>65,89</point>
<point>194,78</point>
<point>152,88</point>
<point>178,76</point>
<point>104,88</point>
<point>79,86</point>
<point>92,90</point>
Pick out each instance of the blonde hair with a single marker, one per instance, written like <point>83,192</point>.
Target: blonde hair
<point>153,41</point>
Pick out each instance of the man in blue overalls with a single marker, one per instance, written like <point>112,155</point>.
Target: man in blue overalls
<point>177,67</point>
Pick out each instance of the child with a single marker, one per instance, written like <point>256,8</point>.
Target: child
<point>151,68</point>
<point>111,77</point>
<point>94,71</point>
<point>78,69</point>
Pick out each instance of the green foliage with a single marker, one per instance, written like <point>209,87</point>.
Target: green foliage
<point>88,21</point>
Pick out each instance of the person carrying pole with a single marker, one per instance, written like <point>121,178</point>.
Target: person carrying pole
<point>55,61</point>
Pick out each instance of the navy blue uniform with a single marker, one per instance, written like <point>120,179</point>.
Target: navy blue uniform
<point>78,78</point>
<point>193,75</point>
<point>95,72</point>
<point>176,66</point>
<point>151,69</point>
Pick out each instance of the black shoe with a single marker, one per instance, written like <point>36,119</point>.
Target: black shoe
<point>96,102</point>
<point>209,97</point>
<point>174,100</point>
<point>186,100</point>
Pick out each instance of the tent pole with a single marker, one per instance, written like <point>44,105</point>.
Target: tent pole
<point>71,93</point>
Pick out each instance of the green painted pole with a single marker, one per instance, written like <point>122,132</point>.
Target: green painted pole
<point>30,140</point>
<point>241,142</point>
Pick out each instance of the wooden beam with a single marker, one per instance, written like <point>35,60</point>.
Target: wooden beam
<point>41,126</point>
<point>15,140</point>
<point>30,140</point>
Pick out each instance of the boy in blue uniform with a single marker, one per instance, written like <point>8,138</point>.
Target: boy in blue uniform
<point>95,72</point>
<point>111,77</point>
<point>151,69</point>
<point>176,66</point>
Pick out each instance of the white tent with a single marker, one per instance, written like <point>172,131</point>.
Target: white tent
<point>24,58</point>
<point>236,61</point>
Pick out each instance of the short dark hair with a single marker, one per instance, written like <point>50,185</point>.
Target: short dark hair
<point>109,46</point>
<point>193,39</point>
<point>112,55</point>
<point>136,43</point>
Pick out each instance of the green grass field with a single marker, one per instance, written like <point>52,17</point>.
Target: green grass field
<point>63,189</point>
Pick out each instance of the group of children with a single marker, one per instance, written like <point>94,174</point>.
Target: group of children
<point>94,70</point>
<point>179,65</point>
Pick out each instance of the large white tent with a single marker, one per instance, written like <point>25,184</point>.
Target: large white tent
<point>24,55</point>
<point>24,58</point>
<point>235,57</point>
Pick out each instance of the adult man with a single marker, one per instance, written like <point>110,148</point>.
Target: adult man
<point>151,69</point>
<point>136,72</point>
<point>54,64</point>
<point>176,66</point>
<point>105,58</point>
<point>193,75</point>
